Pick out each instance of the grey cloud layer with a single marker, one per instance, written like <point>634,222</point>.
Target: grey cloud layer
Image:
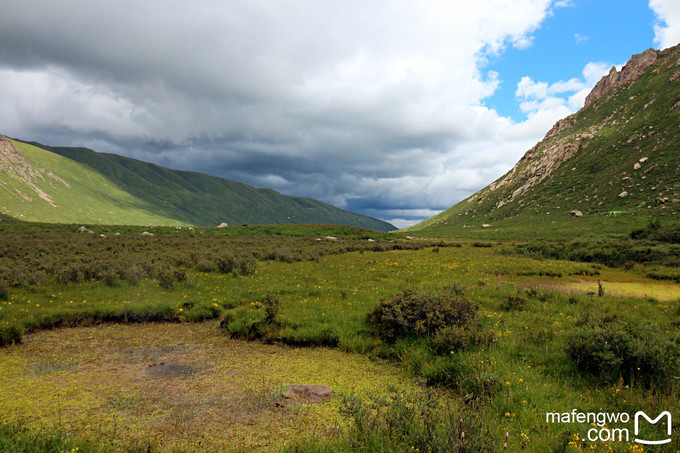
<point>373,106</point>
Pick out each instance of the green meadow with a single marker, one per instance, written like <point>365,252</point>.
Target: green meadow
<point>429,345</point>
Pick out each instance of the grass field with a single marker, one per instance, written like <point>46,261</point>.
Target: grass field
<point>523,352</point>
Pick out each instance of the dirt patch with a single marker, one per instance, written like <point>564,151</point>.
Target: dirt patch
<point>178,387</point>
<point>169,370</point>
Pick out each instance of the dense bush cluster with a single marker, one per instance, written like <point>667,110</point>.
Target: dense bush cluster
<point>656,244</point>
<point>417,313</point>
<point>254,321</point>
<point>29,259</point>
<point>669,233</point>
<point>609,350</point>
<point>408,422</point>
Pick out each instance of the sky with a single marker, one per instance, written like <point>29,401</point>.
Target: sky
<point>390,108</point>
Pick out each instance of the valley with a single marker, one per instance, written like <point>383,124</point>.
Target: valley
<point>539,314</point>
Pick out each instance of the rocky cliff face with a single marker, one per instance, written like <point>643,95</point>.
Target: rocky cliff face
<point>14,165</point>
<point>629,73</point>
<point>624,140</point>
<point>550,153</point>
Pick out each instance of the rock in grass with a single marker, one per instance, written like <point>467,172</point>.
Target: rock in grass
<point>309,393</point>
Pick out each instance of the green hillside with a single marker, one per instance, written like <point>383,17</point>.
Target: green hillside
<point>36,185</point>
<point>616,162</point>
<point>127,191</point>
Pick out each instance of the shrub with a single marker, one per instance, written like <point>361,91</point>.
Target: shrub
<point>271,307</point>
<point>513,303</point>
<point>165,277</point>
<point>11,334</point>
<point>635,353</point>
<point>410,422</point>
<point>226,264</point>
<point>540,336</point>
<point>448,371</point>
<point>245,323</point>
<point>535,294</point>
<point>4,290</point>
<point>201,313</point>
<point>421,313</point>
<point>72,274</point>
<point>252,321</point>
<point>479,385</point>
<point>459,338</point>
<point>109,277</point>
<point>205,265</point>
<point>133,274</point>
<point>246,265</point>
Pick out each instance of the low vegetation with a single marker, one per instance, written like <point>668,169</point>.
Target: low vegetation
<point>485,331</point>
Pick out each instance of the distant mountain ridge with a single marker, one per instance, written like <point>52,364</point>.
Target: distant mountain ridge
<point>130,191</point>
<point>619,154</point>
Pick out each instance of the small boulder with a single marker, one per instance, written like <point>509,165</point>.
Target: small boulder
<point>573,214</point>
<point>222,225</point>
<point>146,233</point>
<point>637,166</point>
<point>643,160</point>
<point>623,194</point>
<point>330,238</point>
<point>486,225</point>
<point>309,393</point>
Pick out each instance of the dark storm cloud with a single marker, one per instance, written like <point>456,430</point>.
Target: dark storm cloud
<point>376,107</point>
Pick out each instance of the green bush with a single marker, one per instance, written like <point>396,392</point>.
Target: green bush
<point>201,313</point>
<point>450,339</point>
<point>252,321</point>
<point>610,351</point>
<point>11,334</point>
<point>226,263</point>
<point>109,277</point>
<point>133,274</point>
<point>4,290</point>
<point>513,303</point>
<point>408,422</point>
<point>448,371</point>
<point>245,323</point>
<point>246,265</point>
<point>479,385</point>
<point>421,313</point>
<point>165,276</point>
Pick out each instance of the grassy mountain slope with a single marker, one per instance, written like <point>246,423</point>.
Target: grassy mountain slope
<point>617,161</point>
<point>180,197</point>
<point>36,185</point>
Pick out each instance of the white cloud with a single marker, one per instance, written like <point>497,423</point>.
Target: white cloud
<point>546,103</point>
<point>360,103</point>
<point>667,27</point>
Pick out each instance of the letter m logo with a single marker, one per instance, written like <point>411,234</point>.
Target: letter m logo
<point>666,414</point>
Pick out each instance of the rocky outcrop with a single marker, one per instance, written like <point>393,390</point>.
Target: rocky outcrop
<point>16,165</point>
<point>630,72</point>
<point>309,393</point>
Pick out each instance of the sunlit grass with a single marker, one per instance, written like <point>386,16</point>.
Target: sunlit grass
<point>104,391</point>
<point>321,302</point>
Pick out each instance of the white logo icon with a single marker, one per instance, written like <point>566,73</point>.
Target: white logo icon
<point>666,414</point>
